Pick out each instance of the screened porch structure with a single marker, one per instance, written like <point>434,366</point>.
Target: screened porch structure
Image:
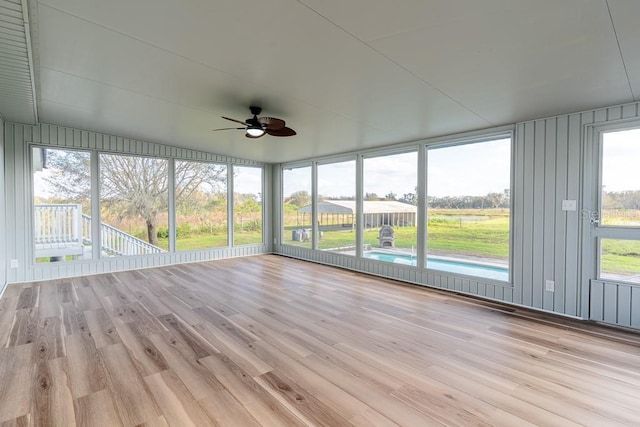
<point>342,213</point>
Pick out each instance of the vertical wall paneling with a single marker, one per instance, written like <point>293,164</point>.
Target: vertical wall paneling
<point>528,214</point>
<point>560,218</point>
<point>550,217</point>
<point>596,302</point>
<point>572,236</point>
<point>3,203</point>
<point>19,221</point>
<point>10,178</point>
<point>539,206</point>
<point>624,305</point>
<point>610,303</point>
<point>615,303</point>
<point>635,303</point>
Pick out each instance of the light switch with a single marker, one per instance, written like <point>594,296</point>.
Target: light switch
<point>549,286</point>
<point>568,205</point>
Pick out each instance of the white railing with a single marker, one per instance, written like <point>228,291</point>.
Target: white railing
<point>117,242</point>
<point>57,224</point>
<point>62,230</point>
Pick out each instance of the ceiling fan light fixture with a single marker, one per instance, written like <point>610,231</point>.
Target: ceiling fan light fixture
<point>255,131</point>
<point>256,127</point>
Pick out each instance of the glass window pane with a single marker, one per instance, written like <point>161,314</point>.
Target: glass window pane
<point>620,260</point>
<point>247,205</point>
<point>620,178</point>
<point>468,202</point>
<point>134,205</point>
<point>296,207</point>
<point>390,208</point>
<point>201,205</point>
<point>337,207</point>
<point>61,204</point>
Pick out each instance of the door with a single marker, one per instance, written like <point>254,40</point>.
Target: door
<point>611,224</point>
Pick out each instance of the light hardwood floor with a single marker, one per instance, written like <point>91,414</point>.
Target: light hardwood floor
<point>272,341</point>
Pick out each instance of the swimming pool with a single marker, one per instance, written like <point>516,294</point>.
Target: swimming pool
<point>453,266</point>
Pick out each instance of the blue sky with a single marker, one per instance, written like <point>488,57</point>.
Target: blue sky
<point>471,169</point>
<point>621,159</point>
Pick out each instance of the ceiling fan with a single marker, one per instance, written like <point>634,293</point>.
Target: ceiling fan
<point>257,127</point>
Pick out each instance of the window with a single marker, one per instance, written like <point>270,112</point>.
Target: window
<point>620,260</point>
<point>337,207</point>
<point>620,180</point>
<point>620,206</point>
<point>390,207</point>
<point>201,205</point>
<point>247,205</point>
<point>134,205</point>
<point>468,208</point>
<point>61,204</point>
<point>296,207</point>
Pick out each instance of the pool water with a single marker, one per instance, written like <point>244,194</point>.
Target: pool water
<point>452,266</point>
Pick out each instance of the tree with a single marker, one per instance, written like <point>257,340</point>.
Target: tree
<point>132,186</point>
<point>410,198</point>
<point>299,198</point>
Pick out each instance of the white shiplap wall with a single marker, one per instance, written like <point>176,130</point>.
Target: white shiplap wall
<point>18,194</point>
<point>546,240</point>
<point>3,235</point>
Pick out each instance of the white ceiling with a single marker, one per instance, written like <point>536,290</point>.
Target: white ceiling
<point>346,74</point>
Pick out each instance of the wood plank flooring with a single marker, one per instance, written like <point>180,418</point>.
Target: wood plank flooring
<point>271,341</point>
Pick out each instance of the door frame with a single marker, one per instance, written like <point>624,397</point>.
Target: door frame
<point>591,229</point>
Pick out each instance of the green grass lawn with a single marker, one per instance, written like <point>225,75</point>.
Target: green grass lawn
<point>489,238</point>
<point>620,256</point>
<point>195,241</point>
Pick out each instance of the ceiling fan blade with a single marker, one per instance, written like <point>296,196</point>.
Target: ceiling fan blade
<point>226,129</point>
<point>254,137</point>
<point>271,123</point>
<point>285,131</point>
<point>234,120</point>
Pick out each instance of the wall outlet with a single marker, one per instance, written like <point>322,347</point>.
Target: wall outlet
<point>14,263</point>
<point>549,285</point>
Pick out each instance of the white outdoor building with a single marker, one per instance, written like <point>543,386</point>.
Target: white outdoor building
<point>376,213</point>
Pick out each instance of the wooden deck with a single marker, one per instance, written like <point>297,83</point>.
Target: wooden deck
<point>272,341</point>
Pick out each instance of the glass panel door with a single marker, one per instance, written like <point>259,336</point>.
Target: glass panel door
<point>617,226</point>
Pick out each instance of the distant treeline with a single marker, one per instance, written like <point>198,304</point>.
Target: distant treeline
<point>621,200</point>
<point>490,201</point>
